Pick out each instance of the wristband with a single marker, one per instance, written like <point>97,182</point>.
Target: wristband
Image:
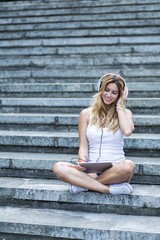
<point>120,107</point>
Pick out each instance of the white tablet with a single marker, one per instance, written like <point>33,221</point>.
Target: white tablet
<point>96,167</point>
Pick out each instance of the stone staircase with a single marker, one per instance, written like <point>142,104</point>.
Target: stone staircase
<point>52,53</point>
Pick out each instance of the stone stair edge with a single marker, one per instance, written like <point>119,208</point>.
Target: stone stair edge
<point>72,40</point>
<point>82,8</point>
<point>68,134</point>
<point>54,190</point>
<point>75,18</point>
<point>69,116</point>
<point>129,52</point>
<point>101,2</point>
<point>112,32</point>
<point>112,2</point>
<point>72,105</point>
<point>78,16</point>
<point>97,48</point>
<point>75,41</point>
<point>87,73</point>
<point>33,74</point>
<point>77,225</point>
<point>108,33</point>
<point>69,140</point>
<point>71,79</point>
<point>73,102</point>
<point>12,27</point>
<point>149,166</point>
<point>141,116</point>
<point>39,51</point>
<point>66,119</point>
<point>136,52</point>
<point>65,157</point>
<point>73,86</point>
<point>78,60</point>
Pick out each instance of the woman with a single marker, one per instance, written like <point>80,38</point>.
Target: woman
<point>102,128</point>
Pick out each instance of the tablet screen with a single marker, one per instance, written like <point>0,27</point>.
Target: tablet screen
<point>95,167</point>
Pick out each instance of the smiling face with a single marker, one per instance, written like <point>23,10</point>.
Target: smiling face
<point>111,93</point>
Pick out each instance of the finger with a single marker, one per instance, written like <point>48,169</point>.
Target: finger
<point>80,168</point>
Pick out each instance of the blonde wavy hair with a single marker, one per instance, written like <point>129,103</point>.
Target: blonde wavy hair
<point>102,115</point>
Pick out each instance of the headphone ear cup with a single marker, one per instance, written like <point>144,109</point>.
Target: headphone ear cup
<point>99,83</point>
<point>125,91</point>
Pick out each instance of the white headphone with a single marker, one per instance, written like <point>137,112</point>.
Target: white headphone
<point>101,80</point>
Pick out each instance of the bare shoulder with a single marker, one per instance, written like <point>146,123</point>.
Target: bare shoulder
<point>85,111</point>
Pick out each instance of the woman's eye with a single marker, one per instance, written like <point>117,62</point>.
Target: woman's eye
<point>107,90</point>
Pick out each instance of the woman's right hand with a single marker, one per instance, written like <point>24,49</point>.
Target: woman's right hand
<point>78,167</point>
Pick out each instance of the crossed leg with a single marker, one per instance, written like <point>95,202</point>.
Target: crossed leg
<point>70,173</point>
<point>120,172</point>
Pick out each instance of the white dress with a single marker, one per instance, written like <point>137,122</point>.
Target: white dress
<point>104,145</point>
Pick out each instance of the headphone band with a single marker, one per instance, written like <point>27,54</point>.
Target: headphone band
<point>101,80</point>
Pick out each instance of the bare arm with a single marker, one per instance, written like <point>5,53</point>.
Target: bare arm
<point>125,116</point>
<point>125,121</point>
<point>83,142</point>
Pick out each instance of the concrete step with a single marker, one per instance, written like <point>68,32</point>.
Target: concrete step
<point>70,79</point>
<point>74,17</point>
<point>84,74</point>
<point>51,17</point>
<point>83,41</point>
<point>55,194</point>
<point>77,61</point>
<point>146,123</point>
<point>68,142</point>
<point>43,3</point>
<point>107,32</point>
<point>78,90</point>
<point>60,224</point>
<point>111,51</point>
<point>39,122</point>
<point>71,105</point>
<point>39,165</point>
<point>66,122</point>
<point>74,8</point>
<point>84,24</point>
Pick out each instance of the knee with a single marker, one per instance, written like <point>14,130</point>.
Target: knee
<point>58,169</point>
<point>129,167</point>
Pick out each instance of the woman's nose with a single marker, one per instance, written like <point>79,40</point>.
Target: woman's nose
<point>108,94</point>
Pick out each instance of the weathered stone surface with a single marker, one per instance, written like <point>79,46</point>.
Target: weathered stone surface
<point>51,56</point>
<point>78,225</point>
<point>70,90</point>
<point>144,199</point>
<point>70,140</point>
<point>65,122</point>
<point>71,105</point>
